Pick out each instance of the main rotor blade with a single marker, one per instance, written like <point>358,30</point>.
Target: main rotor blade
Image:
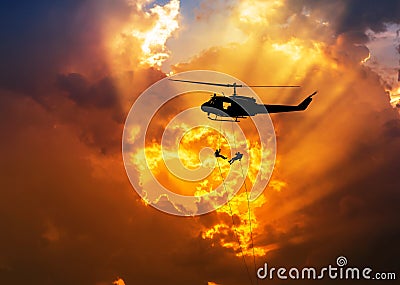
<point>273,86</point>
<point>234,84</point>
<point>205,83</point>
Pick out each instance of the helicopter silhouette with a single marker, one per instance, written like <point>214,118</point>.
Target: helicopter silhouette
<point>240,107</point>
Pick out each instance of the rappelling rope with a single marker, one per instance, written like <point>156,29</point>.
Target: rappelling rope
<point>231,214</point>
<point>220,134</point>
<point>248,207</point>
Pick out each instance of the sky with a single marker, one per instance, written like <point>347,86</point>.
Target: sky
<point>69,74</point>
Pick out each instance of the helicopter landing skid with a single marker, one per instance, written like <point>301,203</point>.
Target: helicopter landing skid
<point>227,120</point>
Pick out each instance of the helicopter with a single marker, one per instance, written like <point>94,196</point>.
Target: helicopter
<point>240,107</point>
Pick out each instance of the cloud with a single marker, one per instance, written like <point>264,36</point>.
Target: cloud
<point>119,281</point>
<point>334,159</point>
<point>353,15</point>
<point>68,212</point>
<point>77,218</point>
<point>153,47</point>
<point>196,23</point>
<point>50,38</point>
<point>102,94</point>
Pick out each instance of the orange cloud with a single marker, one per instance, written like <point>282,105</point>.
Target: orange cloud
<point>65,195</point>
<point>119,281</point>
<point>311,145</point>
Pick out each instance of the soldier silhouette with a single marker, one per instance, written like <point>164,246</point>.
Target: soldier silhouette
<point>218,154</point>
<point>238,156</point>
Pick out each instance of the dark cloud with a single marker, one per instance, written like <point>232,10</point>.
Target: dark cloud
<point>360,15</point>
<point>102,94</point>
<point>392,129</point>
<point>347,49</point>
<point>39,41</point>
<point>28,34</point>
<point>352,15</point>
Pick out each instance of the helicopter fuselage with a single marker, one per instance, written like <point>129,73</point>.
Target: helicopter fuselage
<point>241,106</point>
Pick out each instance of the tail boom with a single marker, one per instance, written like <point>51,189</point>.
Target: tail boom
<point>287,108</point>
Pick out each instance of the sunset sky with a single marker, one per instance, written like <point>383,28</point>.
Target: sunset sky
<point>69,74</point>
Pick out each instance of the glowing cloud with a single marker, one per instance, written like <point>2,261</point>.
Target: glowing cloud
<point>291,49</point>
<point>238,207</point>
<point>366,59</point>
<point>119,281</point>
<point>153,41</point>
<point>256,12</point>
